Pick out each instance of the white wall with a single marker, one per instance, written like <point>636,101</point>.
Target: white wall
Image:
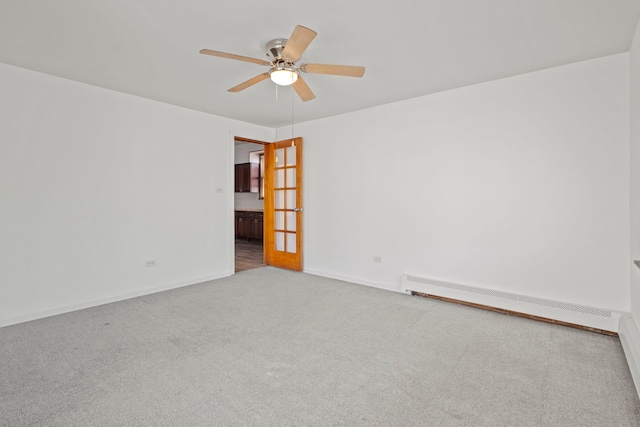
<point>95,182</point>
<point>628,330</point>
<point>635,175</point>
<point>520,185</point>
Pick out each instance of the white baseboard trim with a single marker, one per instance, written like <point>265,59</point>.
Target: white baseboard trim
<point>630,339</point>
<point>101,301</point>
<point>355,280</point>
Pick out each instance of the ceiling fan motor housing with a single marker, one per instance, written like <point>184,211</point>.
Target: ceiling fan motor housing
<point>275,47</point>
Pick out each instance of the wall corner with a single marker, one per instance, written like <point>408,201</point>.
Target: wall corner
<point>630,339</point>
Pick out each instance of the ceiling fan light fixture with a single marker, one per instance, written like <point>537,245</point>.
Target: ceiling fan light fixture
<point>283,76</point>
<point>282,56</point>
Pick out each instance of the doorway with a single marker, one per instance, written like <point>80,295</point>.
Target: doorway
<point>248,204</point>
<point>268,204</point>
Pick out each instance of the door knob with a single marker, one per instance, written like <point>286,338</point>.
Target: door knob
<point>298,210</point>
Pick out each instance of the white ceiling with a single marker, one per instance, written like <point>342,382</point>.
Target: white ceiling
<point>410,48</point>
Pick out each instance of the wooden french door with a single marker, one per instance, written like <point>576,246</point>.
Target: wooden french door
<point>283,204</point>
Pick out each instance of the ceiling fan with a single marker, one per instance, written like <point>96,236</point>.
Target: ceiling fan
<point>282,56</point>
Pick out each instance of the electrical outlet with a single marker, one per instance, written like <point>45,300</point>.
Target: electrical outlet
<point>219,190</point>
<point>150,263</point>
<point>377,258</point>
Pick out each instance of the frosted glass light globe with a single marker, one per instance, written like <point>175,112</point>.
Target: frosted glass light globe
<point>283,77</point>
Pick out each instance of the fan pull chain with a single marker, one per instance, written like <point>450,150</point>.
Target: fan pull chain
<point>276,126</point>
<point>292,133</point>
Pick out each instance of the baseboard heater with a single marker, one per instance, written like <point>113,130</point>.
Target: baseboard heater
<point>584,317</point>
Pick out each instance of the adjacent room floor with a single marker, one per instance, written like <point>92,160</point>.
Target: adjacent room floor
<point>249,255</point>
<point>269,347</point>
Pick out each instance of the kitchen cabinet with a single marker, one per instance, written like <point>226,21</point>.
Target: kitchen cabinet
<point>247,178</point>
<point>249,225</point>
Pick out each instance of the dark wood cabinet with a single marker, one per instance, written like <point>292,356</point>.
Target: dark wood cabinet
<point>246,177</point>
<point>256,227</point>
<point>249,225</point>
<point>243,223</point>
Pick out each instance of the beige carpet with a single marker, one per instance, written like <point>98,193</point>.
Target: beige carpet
<point>268,347</point>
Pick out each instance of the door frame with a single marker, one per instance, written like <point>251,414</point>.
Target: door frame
<point>270,259</point>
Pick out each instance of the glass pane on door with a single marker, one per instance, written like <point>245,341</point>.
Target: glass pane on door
<point>279,157</point>
<point>279,241</point>
<point>279,199</point>
<point>291,177</point>
<point>291,242</point>
<point>291,156</point>
<point>280,183</point>
<point>290,199</point>
<point>280,220</point>
<point>291,221</point>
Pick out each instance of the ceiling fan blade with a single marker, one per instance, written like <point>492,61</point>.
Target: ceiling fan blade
<point>232,56</point>
<point>250,82</point>
<point>298,42</point>
<point>303,91</point>
<point>338,70</point>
